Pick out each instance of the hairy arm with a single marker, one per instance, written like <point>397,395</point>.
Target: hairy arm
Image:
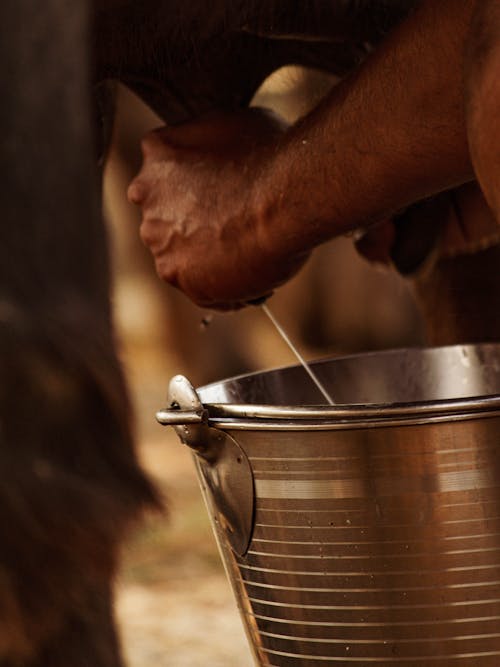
<point>391,134</point>
<point>230,209</point>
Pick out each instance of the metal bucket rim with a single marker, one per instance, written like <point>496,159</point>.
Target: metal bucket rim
<point>260,415</point>
<point>357,412</point>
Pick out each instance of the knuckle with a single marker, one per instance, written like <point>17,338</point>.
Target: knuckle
<point>136,192</point>
<point>148,233</point>
<point>166,271</point>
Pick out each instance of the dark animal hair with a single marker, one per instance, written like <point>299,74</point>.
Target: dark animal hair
<point>70,482</point>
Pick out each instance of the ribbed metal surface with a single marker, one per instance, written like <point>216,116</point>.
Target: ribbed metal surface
<point>373,546</point>
<point>383,553</point>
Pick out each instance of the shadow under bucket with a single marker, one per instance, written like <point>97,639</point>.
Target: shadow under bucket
<point>364,533</point>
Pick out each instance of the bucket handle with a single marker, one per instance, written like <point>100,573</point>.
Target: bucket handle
<point>174,416</point>
<point>223,464</point>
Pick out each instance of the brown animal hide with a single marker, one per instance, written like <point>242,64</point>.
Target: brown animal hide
<point>70,483</point>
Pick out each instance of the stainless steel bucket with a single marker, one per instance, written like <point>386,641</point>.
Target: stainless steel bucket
<point>367,533</point>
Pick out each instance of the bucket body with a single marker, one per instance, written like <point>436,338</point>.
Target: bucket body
<point>372,530</point>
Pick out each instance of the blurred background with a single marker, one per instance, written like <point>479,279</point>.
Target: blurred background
<point>174,605</point>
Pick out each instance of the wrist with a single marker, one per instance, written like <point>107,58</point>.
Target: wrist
<point>296,197</point>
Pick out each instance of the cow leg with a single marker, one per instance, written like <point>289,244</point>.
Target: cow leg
<point>70,482</point>
<point>87,639</point>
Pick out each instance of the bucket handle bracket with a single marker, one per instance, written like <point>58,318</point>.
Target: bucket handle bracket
<point>223,464</point>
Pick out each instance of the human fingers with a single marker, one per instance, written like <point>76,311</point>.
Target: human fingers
<point>471,225</point>
<point>413,238</point>
<point>375,244</point>
<point>155,172</point>
<point>170,269</point>
<point>137,192</point>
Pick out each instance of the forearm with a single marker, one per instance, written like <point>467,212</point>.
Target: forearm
<point>389,135</point>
